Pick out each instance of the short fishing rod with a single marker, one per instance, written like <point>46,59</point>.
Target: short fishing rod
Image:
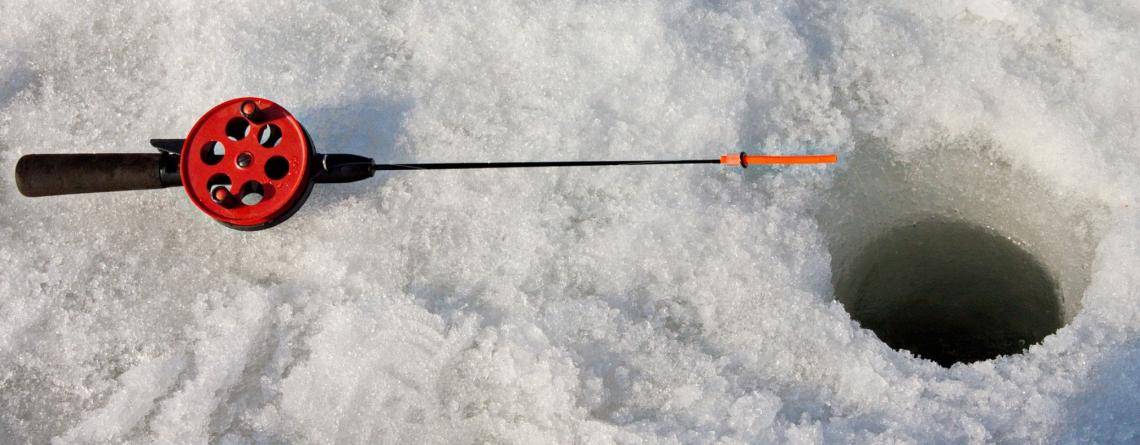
<point>250,165</point>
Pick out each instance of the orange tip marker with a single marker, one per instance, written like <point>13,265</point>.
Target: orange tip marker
<point>744,159</point>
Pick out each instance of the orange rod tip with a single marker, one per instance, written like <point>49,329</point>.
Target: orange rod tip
<point>744,159</point>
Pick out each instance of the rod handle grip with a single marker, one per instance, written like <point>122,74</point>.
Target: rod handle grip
<point>66,174</point>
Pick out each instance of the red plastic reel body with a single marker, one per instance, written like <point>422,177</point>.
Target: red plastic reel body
<point>246,163</point>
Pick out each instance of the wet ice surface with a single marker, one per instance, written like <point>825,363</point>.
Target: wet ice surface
<point>619,305</point>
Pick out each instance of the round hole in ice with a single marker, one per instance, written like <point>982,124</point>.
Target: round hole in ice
<point>951,292</point>
<point>950,251</point>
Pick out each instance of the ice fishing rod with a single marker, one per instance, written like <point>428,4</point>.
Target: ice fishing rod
<point>250,165</point>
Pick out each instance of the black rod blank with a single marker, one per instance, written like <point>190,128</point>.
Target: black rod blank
<point>478,165</point>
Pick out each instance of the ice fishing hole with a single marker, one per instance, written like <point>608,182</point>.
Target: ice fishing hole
<point>951,291</point>
<point>213,152</point>
<point>269,136</point>
<point>276,167</point>
<point>237,129</point>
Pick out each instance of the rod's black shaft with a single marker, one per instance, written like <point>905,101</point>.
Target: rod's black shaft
<point>472,165</point>
<point>341,167</point>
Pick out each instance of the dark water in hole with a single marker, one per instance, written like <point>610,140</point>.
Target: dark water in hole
<point>950,292</point>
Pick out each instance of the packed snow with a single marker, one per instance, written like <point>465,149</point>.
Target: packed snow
<point>679,304</point>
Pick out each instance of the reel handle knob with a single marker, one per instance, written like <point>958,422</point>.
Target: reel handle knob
<point>66,174</point>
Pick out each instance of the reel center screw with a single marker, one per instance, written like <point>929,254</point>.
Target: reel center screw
<point>244,159</point>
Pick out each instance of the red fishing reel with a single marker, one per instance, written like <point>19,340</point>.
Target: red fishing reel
<point>246,163</point>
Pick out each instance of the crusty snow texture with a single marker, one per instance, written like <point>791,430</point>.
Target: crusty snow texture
<point>688,304</point>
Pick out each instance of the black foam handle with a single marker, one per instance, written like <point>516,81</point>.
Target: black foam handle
<point>65,174</point>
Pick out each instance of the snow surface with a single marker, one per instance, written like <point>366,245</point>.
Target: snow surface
<point>619,305</point>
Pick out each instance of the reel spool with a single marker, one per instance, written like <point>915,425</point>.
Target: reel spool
<point>246,163</point>
<point>250,165</point>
